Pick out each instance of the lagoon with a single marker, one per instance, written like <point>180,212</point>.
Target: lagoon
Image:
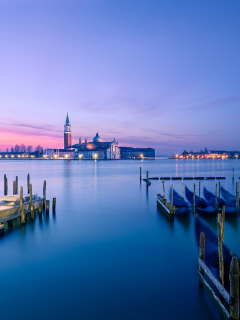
<point>108,252</point>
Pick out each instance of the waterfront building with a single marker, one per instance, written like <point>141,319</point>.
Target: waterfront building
<point>59,153</point>
<point>97,149</point>
<point>136,153</point>
<point>17,155</point>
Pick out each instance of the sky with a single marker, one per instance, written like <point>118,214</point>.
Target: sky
<point>163,74</point>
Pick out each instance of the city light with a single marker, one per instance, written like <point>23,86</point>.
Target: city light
<point>95,156</point>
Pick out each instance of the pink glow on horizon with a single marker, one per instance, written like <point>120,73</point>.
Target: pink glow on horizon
<point>157,80</point>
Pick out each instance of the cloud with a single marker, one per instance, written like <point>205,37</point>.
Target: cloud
<point>213,104</point>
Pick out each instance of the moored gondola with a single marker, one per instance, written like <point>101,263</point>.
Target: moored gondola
<point>201,205</point>
<point>210,197</point>
<point>182,207</point>
<point>230,199</point>
<point>211,251</point>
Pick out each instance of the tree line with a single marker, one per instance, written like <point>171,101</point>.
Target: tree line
<point>29,149</point>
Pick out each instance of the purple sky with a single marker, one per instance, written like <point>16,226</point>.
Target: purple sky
<point>161,74</point>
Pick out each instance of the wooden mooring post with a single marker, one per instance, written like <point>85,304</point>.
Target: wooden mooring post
<point>21,199</point>
<point>233,174</point>
<point>23,216</point>
<point>54,204</point>
<point>194,191</point>
<point>223,221</point>
<point>237,197</point>
<point>163,189</point>
<point>140,173</point>
<point>16,185</point>
<point>216,202</point>
<point>172,196</point>
<point>32,213</point>
<point>219,189</point>
<point>202,252</point>
<point>30,191</point>
<point>5,185</point>
<point>233,298</point>
<point>47,206</point>
<point>44,193</point>
<point>28,182</point>
<point>40,209</point>
<point>220,250</point>
<point>182,189</point>
<point>199,188</point>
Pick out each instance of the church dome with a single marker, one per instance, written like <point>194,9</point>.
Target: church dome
<point>97,138</point>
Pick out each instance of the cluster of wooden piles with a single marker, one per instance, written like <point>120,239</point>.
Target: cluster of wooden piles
<point>227,302</point>
<point>32,208</point>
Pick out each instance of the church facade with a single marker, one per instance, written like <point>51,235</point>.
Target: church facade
<point>95,149</point>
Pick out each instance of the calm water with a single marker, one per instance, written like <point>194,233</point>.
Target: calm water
<point>108,253</point>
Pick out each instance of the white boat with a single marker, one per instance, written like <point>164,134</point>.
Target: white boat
<point>10,205</point>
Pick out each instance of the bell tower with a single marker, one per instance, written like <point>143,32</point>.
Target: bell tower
<point>67,134</point>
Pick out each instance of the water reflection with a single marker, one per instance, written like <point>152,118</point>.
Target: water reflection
<point>164,221</point>
<point>29,226</point>
<point>111,241</point>
<point>185,222</point>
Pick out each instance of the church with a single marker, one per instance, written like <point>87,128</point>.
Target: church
<point>96,149</point>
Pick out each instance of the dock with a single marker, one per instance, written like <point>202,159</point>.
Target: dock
<point>22,204</point>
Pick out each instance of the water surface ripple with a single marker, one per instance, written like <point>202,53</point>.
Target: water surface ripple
<point>108,252</point>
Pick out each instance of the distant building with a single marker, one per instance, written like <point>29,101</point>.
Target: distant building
<point>17,155</point>
<point>59,153</point>
<point>67,134</point>
<point>136,153</point>
<point>95,149</point>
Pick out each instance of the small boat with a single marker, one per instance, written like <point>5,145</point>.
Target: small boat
<point>10,205</point>
<point>181,206</point>
<point>201,205</point>
<point>210,197</point>
<point>230,199</point>
<point>211,251</point>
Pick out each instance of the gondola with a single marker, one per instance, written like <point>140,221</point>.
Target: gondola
<point>181,206</point>
<point>230,199</point>
<point>211,251</point>
<point>210,197</point>
<point>201,205</point>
